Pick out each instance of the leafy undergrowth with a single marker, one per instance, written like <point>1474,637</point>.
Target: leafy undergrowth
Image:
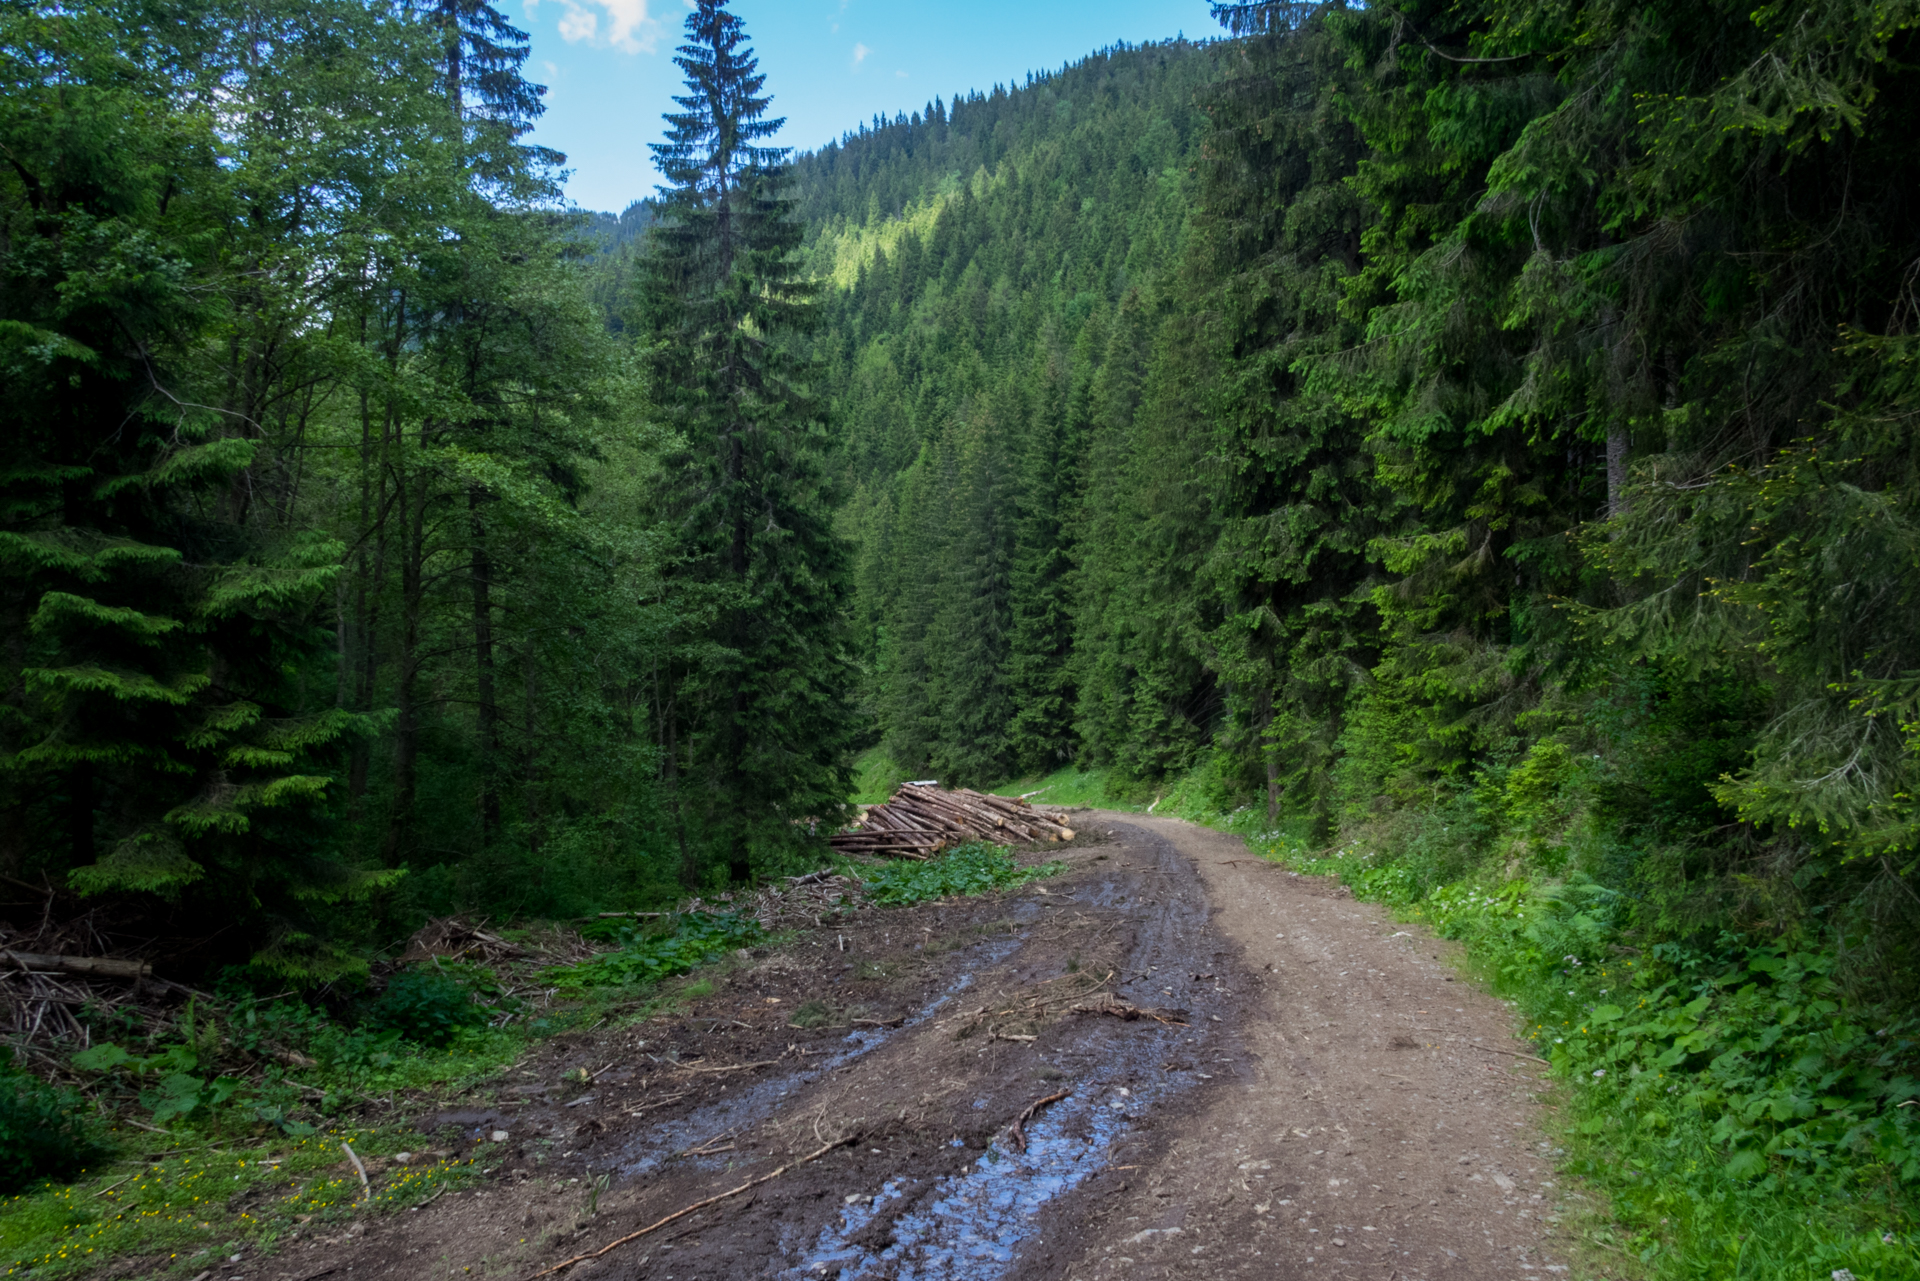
<point>649,955</point>
<point>974,868</point>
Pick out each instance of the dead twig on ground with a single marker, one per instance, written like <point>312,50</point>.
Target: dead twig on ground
<point>1494,1049</point>
<point>707,1148</point>
<point>611,1246</point>
<point>1127,1013</point>
<point>1017,1133</point>
<point>659,1103</point>
<point>736,1067</point>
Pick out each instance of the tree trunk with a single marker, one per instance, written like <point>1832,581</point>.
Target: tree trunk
<point>1616,470</point>
<point>406,726</point>
<point>489,711</point>
<point>80,813</point>
<point>670,760</point>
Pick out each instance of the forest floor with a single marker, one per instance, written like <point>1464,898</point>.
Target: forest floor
<point>1309,1092</point>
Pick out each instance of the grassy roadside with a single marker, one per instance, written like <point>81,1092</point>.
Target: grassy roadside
<point>261,1099</point>
<point>258,1154</point>
<point>1719,1096</point>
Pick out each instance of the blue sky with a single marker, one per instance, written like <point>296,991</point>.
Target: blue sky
<point>608,64</point>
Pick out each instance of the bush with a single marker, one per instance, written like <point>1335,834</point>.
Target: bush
<point>647,958</point>
<point>41,1134</point>
<point>426,1005</point>
<point>969,869</point>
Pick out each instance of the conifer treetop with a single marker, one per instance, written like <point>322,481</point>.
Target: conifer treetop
<point>711,140</point>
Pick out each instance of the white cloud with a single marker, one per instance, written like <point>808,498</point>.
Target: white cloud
<point>860,53</point>
<point>629,29</point>
<point>899,75</point>
<point>577,24</point>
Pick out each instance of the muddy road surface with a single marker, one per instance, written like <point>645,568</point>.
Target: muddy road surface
<point>1173,1060</point>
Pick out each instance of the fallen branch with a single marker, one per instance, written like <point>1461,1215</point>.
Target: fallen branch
<point>1531,1058</point>
<point>1127,1013</point>
<point>1017,1134</point>
<point>737,1067</point>
<point>95,965</point>
<point>659,1103</point>
<point>611,1246</point>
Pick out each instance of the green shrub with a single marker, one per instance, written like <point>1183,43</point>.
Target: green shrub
<point>426,1005</point>
<point>42,1136</point>
<point>647,957</point>
<point>969,869</point>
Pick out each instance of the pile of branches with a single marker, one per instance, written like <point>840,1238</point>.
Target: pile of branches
<point>804,900</point>
<point>50,971</point>
<point>460,940</point>
<point>921,820</point>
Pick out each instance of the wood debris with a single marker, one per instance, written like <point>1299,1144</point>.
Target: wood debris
<point>457,939</point>
<point>1017,1132</point>
<point>921,820</point>
<point>50,972</point>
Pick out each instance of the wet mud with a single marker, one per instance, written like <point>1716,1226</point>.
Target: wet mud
<point>911,1040</point>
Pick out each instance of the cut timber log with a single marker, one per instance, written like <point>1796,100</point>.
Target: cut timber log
<point>98,966</point>
<point>921,820</point>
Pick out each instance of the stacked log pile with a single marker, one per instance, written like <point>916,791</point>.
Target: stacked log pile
<point>921,820</point>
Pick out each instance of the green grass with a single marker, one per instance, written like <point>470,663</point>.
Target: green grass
<point>192,1204</point>
<point>647,955</point>
<point>1071,785</point>
<point>876,777</point>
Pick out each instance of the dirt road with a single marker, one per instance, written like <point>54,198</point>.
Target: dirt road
<point>1237,1072</point>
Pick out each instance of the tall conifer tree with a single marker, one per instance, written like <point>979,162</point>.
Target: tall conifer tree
<point>758,726</point>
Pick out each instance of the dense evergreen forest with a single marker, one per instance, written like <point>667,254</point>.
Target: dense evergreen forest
<point>1476,438</point>
<point>354,570</point>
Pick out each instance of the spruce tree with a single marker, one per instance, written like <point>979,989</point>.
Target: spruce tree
<point>758,727</point>
<point>158,736</point>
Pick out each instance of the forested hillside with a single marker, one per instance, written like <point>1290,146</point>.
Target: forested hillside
<point>983,332</point>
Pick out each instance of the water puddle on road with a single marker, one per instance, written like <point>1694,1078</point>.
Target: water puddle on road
<point>754,1103</point>
<point>969,1227</point>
